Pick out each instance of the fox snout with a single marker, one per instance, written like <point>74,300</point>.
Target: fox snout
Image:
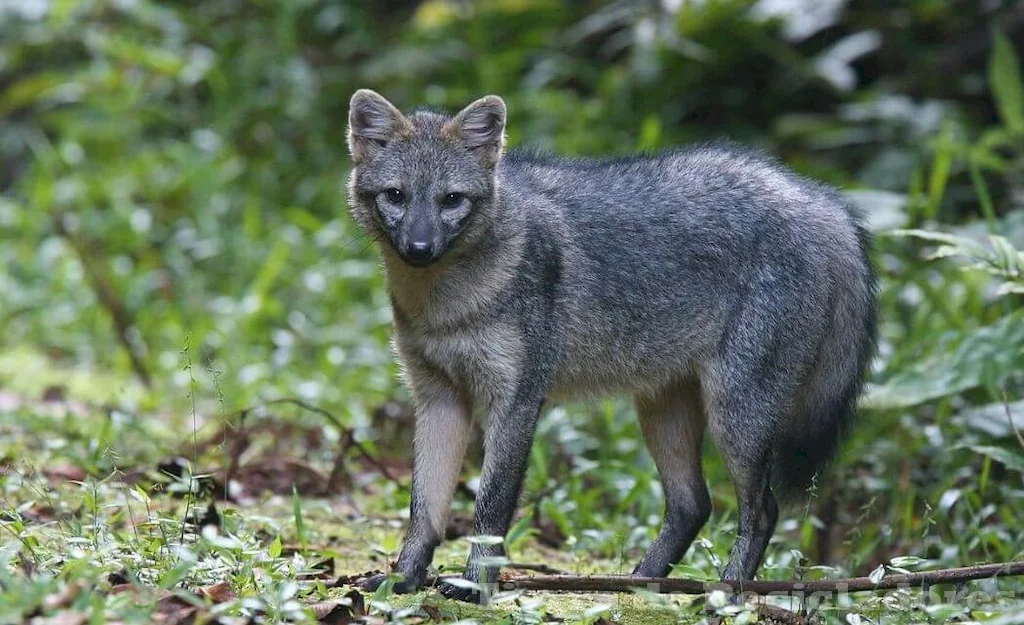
<point>419,251</point>
<point>418,239</point>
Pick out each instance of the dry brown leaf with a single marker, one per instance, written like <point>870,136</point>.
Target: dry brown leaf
<point>322,608</point>
<point>169,604</point>
<point>62,598</point>
<point>64,472</point>
<point>218,593</point>
<point>339,612</point>
<point>65,617</point>
<point>432,612</point>
<point>352,580</point>
<point>182,616</point>
<point>55,393</point>
<point>120,588</point>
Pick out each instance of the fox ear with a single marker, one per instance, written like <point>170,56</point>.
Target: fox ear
<point>480,127</point>
<point>372,122</point>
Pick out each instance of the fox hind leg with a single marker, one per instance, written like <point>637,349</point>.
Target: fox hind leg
<point>672,422</point>
<point>749,392</point>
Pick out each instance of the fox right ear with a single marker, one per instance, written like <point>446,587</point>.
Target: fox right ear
<point>372,122</point>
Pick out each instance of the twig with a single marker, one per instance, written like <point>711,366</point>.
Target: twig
<point>334,479</point>
<point>539,568</point>
<point>1009,417</point>
<point>624,583</point>
<point>238,446</point>
<point>108,297</point>
<point>347,434</point>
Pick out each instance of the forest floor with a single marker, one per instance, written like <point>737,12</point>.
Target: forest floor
<point>105,520</point>
<point>103,517</point>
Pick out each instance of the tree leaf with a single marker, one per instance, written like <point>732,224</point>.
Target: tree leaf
<point>1010,459</point>
<point>993,419</point>
<point>1004,77</point>
<point>986,355</point>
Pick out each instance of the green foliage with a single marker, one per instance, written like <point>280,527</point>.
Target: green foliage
<point>172,208</point>
<point>1004,75</point>
<point>999,258</point>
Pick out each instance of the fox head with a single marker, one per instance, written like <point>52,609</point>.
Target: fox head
<point>424,181</point>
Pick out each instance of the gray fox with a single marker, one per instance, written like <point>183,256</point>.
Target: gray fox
<point>724,292</point>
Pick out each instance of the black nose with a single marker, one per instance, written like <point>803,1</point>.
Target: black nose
<point>420,252</point>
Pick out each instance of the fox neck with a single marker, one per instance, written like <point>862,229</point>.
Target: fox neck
<point>453,290</point>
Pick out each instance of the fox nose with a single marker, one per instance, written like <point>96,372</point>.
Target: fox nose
<point>420,251</point>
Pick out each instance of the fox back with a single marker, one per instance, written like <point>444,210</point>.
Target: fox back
<point>720,289</point>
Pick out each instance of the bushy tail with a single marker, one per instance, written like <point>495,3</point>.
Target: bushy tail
<point>805,451</point>
<point>829,399</point>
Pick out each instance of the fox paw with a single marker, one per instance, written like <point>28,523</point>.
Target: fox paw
<point>459,593</point>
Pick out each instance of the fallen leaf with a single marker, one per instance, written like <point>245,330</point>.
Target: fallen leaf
<point>54,393</point>
<point>432,612</point>
<point>352,580</point>
<point>64,472</point>
<point>38,513</point>
<point>174,609</point>
<point>183,616</point>
<point>357,600</point>
<point>62,598</point>
<point>349,610</point>
<point>322,609</point>
<point>280,475</point>
<point>65,617</point>
<point>218,593</point>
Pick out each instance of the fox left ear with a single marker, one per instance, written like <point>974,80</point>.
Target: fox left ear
<point>480,127</point>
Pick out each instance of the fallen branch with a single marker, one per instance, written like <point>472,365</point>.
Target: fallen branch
<point>347,435</point>
<point>625,583</point>
<point>539,568</point>
<point>107,294</point>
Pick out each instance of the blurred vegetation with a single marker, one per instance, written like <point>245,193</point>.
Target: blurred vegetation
<point>173,234</point>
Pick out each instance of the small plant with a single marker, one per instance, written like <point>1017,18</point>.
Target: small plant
<point>998,258</point>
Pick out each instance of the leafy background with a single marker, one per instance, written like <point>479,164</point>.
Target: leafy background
<point>175,248</point>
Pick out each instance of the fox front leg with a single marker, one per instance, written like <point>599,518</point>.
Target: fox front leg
<point>506,456</point>
<point>443,430</point>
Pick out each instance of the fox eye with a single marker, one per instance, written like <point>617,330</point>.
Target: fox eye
<point>452,200</point>
<point>395,196</point>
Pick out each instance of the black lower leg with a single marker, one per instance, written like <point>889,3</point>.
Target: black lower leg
<point>758,515</point>
<point>506,456</point>
<point>684,516</point>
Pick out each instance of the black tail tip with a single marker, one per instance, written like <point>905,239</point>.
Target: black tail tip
<point>795,472</point>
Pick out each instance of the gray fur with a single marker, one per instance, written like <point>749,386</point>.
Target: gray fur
<point>723,291</point>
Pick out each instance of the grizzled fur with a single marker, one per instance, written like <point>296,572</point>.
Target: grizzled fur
<point>724,292</point>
